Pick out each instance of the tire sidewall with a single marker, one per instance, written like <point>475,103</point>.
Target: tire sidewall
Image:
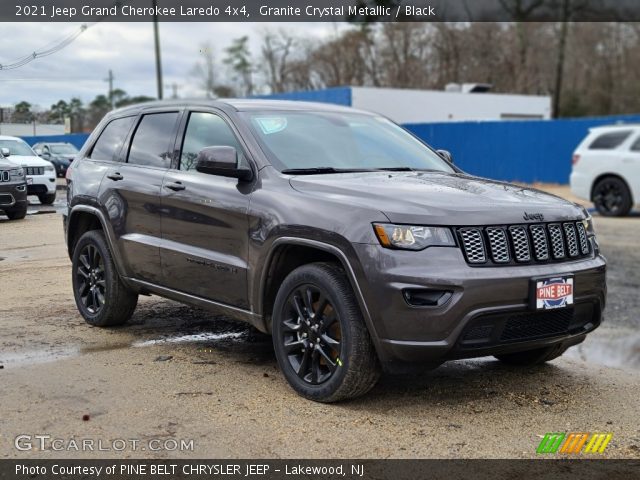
<point>627,200</point>
<point>310,275</point>
<point>95,238</point>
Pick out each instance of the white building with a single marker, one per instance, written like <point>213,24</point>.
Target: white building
<point>456,103</point>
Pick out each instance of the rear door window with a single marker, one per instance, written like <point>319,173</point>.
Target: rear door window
<point>635,146</point>
<point>111,139</point>
<point>609,141</point>
<point>153,141</point>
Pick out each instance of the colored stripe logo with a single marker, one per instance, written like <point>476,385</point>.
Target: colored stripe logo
<point>574,443</point>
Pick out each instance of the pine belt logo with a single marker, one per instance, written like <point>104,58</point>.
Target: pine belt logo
<point>574,443</point>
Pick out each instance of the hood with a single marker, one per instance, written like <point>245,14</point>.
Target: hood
<point>439,198</point>
<point>29,161</point>
<point>5,164</point>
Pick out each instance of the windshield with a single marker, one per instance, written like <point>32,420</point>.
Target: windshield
<point>339,141</point>
<point>17,148</point>
<point>65,149</point>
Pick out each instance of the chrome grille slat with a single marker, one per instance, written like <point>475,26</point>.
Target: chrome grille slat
<point>572,241</point>
<point>582,235</point>
<point>514,244</point>
<point>473,245</point>
<point>520,242</point>
<point>540,244</point>
<point>557,241</point>
<point>498,245</point>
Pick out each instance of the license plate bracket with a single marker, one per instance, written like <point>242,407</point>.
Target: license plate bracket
<point>549,293</point>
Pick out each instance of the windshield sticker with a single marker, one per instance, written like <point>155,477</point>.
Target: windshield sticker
<point>271,125</point>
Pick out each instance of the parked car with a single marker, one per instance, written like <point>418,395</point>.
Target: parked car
<point>357,246</point>
<point>13,188</point>
<point>41,174</point>
<point>606,169</point>
<point>60,154</point>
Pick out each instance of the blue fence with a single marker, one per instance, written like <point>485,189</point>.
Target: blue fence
<point>337,95</point>
<point>526,151</point>
<point>76,139</point>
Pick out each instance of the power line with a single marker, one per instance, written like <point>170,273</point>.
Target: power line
<point>46,52</point>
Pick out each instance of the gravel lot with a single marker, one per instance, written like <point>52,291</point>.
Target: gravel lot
<point>180,373</point>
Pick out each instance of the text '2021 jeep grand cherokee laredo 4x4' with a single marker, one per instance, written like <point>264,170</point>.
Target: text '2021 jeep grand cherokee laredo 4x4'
<point>349,240</point>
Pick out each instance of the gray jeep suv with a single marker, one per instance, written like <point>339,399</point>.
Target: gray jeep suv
<point>354,244</point>
<point>13,188</point>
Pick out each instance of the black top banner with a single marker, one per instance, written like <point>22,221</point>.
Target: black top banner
<point>318,10</point>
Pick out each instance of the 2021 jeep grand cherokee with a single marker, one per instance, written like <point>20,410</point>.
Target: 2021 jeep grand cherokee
<point>353,243</point>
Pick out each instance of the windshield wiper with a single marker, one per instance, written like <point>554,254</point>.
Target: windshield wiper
<point>320,170</point>
<point>396,169</point>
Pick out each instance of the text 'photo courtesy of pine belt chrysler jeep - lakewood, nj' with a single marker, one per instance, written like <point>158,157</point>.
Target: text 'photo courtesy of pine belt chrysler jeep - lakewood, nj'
<point>356,246</point>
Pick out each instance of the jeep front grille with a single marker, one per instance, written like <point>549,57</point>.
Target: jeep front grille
<point>515,244</point>
<point>34,170</point>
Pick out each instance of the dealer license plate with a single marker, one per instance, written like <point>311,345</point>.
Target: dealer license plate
<point>552,292</point>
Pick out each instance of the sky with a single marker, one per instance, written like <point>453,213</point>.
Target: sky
<point>80,69</point>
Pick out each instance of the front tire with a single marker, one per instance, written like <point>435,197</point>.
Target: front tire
<point>47,198</point>
<point>17,214</point>
<point>612,197</point>
<point>322,345</point>
<point>533,357</point>
<point>102,298</point>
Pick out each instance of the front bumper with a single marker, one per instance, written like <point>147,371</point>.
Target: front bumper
<point>403,332</point>
<point>13,196</point>
<point>41,184</point>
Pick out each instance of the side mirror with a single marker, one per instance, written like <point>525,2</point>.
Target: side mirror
<point>5,152</point>
<point>221,161</point>
<point>45,154</point>
<point>446,155</point>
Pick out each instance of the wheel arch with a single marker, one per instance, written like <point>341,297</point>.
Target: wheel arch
<point>83,218</point>
<point>287,254</point>
<point>615,175</point>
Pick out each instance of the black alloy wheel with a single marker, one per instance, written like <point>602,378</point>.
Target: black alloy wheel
<point>101,296</point>
<point>320,338</point>
<point>612,198</point>
<point>311,335</point>
<point>91,284</point>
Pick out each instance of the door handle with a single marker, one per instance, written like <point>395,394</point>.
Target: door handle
<point>115,176</point>
<point>175,186</point>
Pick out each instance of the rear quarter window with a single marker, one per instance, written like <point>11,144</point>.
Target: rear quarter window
<point>111,139</point>
<point>609,141</point>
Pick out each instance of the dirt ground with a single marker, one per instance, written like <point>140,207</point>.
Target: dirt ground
<point>176,373</point>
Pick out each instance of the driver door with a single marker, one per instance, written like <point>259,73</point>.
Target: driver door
<point>205,222</point>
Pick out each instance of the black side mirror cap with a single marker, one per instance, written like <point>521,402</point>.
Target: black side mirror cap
<point>223,161</point>
<point>446,154</point>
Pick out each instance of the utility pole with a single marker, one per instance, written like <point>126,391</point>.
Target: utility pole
<point>110,80</point>
<point>174,89</point>
<point>156,37</point>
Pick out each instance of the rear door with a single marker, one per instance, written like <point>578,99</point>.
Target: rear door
<point>630,168</point>
<point>131,190</point>
<point>205,223</point>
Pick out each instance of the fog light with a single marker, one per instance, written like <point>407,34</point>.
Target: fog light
<point>426,297</point>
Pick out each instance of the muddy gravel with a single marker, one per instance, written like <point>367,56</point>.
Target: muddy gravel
<point>181,374</point>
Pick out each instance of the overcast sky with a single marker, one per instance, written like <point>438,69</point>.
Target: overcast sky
<point>80,69</point>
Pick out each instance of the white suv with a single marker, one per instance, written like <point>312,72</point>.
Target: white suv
<point>606,169</point>
<point>41,175</point>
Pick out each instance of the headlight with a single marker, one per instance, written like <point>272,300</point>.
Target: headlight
<point>49,168</point>
<point>588,222</point>
<point>17,172</point>
<point>411,237</point>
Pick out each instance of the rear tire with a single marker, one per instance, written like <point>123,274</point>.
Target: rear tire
<point>612,197</point>
<point>533,357</point>
<point>322,345</point>
<point>102,298</point>
<point>47,198</point>
<point>17,214</point>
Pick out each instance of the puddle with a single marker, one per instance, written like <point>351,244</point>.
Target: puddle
<point>32,357</point>
<point>619,348</point>
<point>194,338</point>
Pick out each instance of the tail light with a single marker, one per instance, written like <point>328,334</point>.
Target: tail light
<point>575,159</point>
<point>67,174</point>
